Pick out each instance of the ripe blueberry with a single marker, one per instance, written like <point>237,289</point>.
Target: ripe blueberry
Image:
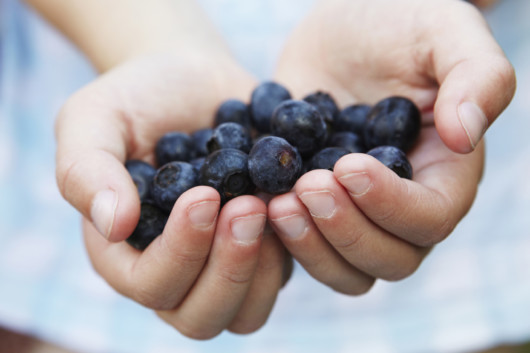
<point>326,158</point>
<point>170,181</point>
<point>226,170</point>
<point>348,140</point>
<point>150,225</point>
<point>301,125</point>
<point>265,98</point>
<point>353,118</point>
<point>274,165</point>
<point>200,139</point>
<point>325,104</point>
<point>173,146</point>
<point>197,163</point>
<point>394,121</point>
<point>393,158</point>
<point>142,174</point>
<point>230,135</point>
<point>233,111</point>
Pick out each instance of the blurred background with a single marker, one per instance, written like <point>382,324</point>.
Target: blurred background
<point>471,294</point>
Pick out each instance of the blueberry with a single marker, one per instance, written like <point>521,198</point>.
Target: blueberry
<point>348,140</point>
<point>265,98</point>
<point>326,158</point>
<point>325,104</point>
<point>353,118</point>
<point>170,181</point>
<point>394,121</point>
<point>230,135</point>
<point>233,111</point>
<point>393,158</point>
<point>151,224</point>
<point>226,170</point>
<point>301,125</point>
<point>197,163</point>
<point>200,139</point>
<point>173,146</point>
<point>274,165</point>
<point>142,174</point>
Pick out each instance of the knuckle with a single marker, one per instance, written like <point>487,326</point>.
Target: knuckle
<point>146,296</point>
<point>354,287</point>
<point>506,74</point>
<point>178,255</point>
<point>408,264</point>
<point>347,243</point>
<point>245,327</point>
<point>235,276</point>
<point>402,271</point>
<point>195,331</point>
<point>437,234</point>
<point>67,171</point>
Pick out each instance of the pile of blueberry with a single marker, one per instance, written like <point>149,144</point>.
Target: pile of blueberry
<point>266,146</point>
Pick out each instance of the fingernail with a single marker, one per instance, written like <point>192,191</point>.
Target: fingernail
<point>321,204</point>
<point>103,211</point>
<point>357,184</point>
<point>292,226</point>
<point>203,214</point>
<point>247,229</point>
<point>473,121</point>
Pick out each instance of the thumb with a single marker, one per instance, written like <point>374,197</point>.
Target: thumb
<point>91,150</point>
<point>477,82</point>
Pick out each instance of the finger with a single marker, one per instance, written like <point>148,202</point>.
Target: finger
<point>305,242</point>
<point>91,150</point>
<point>161,275</point>
<point>222,286</point>
<point>362,243</point>
<point>268,280</point>
<point>423,211</point>
<point>476,80</point>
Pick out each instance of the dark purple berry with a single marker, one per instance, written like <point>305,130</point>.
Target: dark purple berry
<point>151,224</point>
<point>348,140</point>
<point>394,121</point>
<point>173,146</point>
<point>230,135</point>
<point>326,158</point>
<point>265,98</point>
<point>353,118</point>
<point>301,125</point>
<point>233,111</point>
<point>200,139</point>
<point>197,163</point>
<point>170,181</point>
<point>142,174</point>
<point>226,170</point>
<point>274,165</point>
<point>393,158</point>
<point>325,104</point>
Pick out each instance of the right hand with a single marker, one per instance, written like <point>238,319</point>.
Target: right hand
<point>207,271</point>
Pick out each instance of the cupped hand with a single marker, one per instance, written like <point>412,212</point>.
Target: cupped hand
<point>361,221</point>
<point>210,269</point>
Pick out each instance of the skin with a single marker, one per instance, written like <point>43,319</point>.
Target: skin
<point>198,275</point>
<point>384,226</point>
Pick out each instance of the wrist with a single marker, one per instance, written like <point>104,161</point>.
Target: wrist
<point>110,33</point>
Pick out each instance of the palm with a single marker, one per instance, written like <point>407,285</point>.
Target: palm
<point>149,97</point>
<point>350,49</point>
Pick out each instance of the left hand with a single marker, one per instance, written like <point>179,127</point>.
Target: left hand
<point>363,222</point>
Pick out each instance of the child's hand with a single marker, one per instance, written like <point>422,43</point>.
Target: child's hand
<point>362,222</point>
<point>207,271</point>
